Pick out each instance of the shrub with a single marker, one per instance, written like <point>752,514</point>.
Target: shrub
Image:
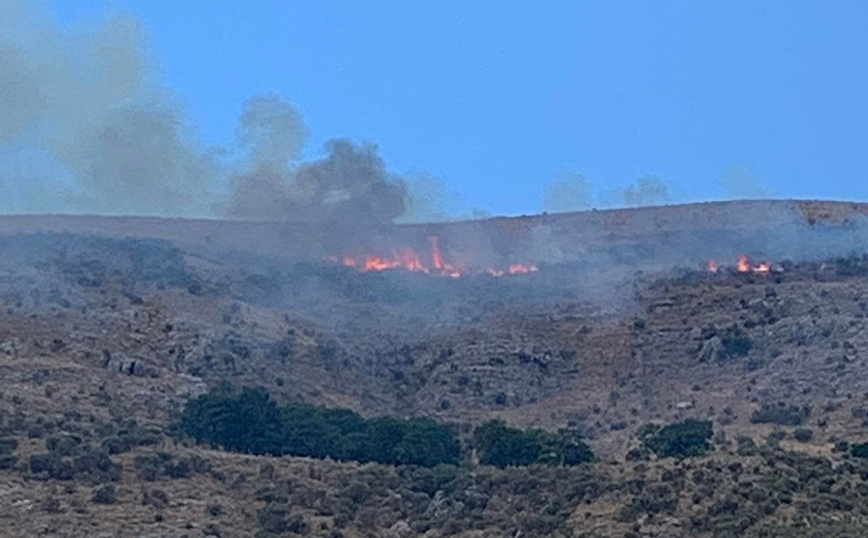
<point>8,462</point>
<point>680,440</point>
<point>273,518</point>
<point>149,467</point>
<point>63,445</point>
<point>157,498</point>
<point>117,445</point>
<point>803,435</point>
<point>781,414</point>
<point>8,445</point>
<point>735,343</point>
<point>105,494</point>
<point>180,469</point>
<point>214,510</point>
<point>52,505</point>
<point>43,463</point>
<point>859,450</point>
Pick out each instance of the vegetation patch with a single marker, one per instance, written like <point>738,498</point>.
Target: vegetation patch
<point>251,422</point>
<point>680,440</point>
<point>503,446</point>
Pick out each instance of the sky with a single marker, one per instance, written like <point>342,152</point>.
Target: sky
<point>499,99</point>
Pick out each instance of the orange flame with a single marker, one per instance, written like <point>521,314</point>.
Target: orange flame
<point>409,260</point>
<point>521,269</point>
<point>743,265</point>
<point>763,268</point>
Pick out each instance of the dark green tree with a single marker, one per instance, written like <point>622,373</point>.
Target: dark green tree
<point>680,440</point>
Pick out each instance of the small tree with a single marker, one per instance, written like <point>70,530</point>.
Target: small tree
<point>502,446</point>
<point>680,440</point>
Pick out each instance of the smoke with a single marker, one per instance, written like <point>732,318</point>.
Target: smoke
<point>738,182</point>
<point>87,109</point>
<point>648,190</point>
<point>350,186</point>
<point>272,131</point>
<point>569,193</point>
<point>87,104</point>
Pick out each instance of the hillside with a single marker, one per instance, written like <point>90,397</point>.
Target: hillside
<point>611,321</point>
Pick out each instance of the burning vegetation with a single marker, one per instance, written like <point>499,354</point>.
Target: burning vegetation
<point>744,265</point>
<point>408,259</point>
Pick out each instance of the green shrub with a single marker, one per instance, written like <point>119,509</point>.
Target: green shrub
<point>8,445</point>
<point>680,440</point>
<point>43,463</point>
<point>735,343</point>
<point>105,494</point>
<point>803,435</point>
<point>859,450</point>
<point>64,445</point>
<point>781,414</point>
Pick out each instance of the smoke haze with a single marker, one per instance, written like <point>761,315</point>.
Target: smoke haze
<point>571,192</point>
<point>87,110</point>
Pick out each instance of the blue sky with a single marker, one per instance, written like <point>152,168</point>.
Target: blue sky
<point>497,99</point>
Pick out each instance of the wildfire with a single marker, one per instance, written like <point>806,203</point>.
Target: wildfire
<point>409,260</point>
<point>521,269</point>
<point>743,265</point>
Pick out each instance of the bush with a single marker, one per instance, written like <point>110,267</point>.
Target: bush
<point>157,498</point>
<point>105,494</point>
<point>149,467</point>
<point>8,445</point>
<point>735,343</point>
<point>8,462</point>
<point>273,518</point>
<point>43,463</point>
<point>63,445</point>
<point>680,440</point>
<point>859,450</point>
<point>117,445</point>
<point>781,414</point>
<point>181,469</point>
<point>803,435</point>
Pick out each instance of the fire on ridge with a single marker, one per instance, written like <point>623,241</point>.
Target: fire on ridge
<point>406,258</point>
<point>743,265</point>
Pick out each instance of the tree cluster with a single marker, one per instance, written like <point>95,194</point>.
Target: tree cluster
<point>251,422</point>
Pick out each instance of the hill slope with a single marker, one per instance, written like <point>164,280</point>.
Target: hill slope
<point>109,325</point>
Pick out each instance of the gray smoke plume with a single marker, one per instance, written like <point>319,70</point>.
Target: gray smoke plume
<point>571,192</point>
<point>349,187</point>
<point>87,107</point>
<point>648,190</point>
<point>739,183</point>
<point>87,103</point>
